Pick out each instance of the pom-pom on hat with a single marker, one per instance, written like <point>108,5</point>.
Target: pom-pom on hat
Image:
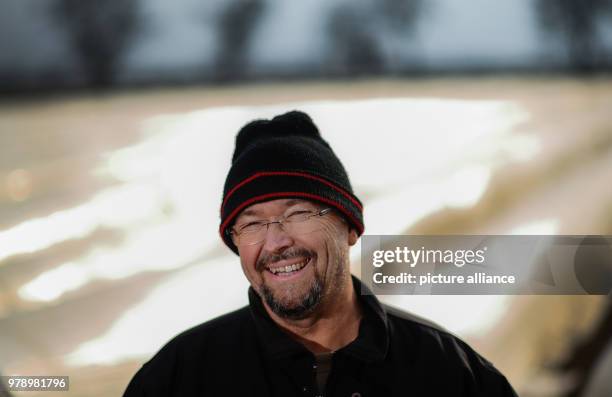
<point>285,157</point>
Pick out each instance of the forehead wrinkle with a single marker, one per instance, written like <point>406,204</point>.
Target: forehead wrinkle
<point>248,212</point>
<point>292,202</point>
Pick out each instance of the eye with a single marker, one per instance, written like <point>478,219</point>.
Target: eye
<point>298,215</point>
<point>250,226</point>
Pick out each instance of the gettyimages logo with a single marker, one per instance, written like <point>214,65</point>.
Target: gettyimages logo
<point>458,258</point>
<point>500,264</point>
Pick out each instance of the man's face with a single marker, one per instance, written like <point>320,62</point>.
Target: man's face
<point>317,260</point>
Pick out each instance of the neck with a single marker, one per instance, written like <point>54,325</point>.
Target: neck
<point>332,326</point>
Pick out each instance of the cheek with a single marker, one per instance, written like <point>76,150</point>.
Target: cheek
<point>333,240</point>
<point>248,259</point>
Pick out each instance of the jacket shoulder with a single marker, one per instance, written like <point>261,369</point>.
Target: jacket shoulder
<point>189,352</point>
<point>438,348</point>
<point>198,338</point>
<point>226,324</point>
<point>425,333</point>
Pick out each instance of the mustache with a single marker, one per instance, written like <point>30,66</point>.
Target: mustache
<point>289,253</point>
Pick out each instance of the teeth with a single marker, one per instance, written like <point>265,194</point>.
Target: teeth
<point>288,268</point>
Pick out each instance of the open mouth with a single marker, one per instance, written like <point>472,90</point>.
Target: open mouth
<point>289,269</point>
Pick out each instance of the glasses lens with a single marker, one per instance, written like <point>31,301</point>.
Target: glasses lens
<point>304,224</point>
<point>252,235</point>
<point>297,223</point>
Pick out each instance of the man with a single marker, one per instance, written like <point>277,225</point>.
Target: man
<point>291,215</point>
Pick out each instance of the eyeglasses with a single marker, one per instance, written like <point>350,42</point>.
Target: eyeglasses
<point>298,222</point>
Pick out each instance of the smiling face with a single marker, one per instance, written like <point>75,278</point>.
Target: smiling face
<point>295,272</point>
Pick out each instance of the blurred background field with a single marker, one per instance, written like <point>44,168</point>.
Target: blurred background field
<point>117,122</point>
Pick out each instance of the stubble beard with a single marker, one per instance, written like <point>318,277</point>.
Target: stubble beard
<point>299,307</point>
<point>295,311</point>
<point>289,302</point>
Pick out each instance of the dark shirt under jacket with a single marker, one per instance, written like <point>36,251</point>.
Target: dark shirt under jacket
<point>244,353</point>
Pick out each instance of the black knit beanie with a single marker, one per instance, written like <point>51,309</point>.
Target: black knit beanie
<point>285,158</point>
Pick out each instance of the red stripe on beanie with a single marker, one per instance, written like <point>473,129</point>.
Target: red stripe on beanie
<point>290,173</point>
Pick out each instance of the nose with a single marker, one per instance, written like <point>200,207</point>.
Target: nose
<point>277,239</point>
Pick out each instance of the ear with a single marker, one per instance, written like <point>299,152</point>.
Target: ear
<point>352,237</point>
<point>230,235</point>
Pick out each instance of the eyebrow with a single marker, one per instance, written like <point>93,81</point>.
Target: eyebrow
<point>288,203</point>
<point>292,202</point>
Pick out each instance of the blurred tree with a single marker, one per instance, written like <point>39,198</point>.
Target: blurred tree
<point>236,25</point>
<point>354,45</point>
<point>577,21</point>
<point>358,29</point>
<point>400,15</point>
<point>99,32</point>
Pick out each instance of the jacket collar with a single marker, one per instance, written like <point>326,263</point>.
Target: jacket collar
<point>370,345</point>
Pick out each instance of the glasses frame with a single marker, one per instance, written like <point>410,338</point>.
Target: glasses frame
<point>236,234</point>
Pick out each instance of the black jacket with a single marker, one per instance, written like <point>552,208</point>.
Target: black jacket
<point>244,353</point>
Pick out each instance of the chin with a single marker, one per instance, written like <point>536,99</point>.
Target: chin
<point>290,305</point>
